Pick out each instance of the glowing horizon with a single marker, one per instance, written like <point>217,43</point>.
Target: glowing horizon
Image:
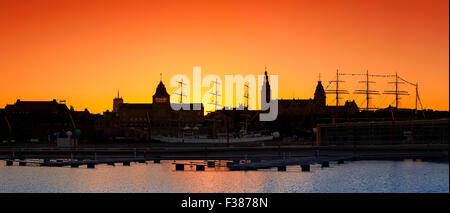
<point>84,51</point>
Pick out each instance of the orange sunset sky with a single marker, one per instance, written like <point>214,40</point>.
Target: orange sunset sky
<point>83,51</point>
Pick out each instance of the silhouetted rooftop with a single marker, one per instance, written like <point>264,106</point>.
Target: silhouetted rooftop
<point>161,90</point>
<point>37,106</point>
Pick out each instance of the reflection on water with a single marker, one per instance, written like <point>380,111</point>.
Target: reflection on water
<point>358,176</point>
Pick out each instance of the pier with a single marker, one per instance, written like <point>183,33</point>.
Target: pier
<point>75,163</point>
<point>281,164</point>
<point>234,158</point>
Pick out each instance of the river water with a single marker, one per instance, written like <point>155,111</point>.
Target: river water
<point>355,176</point>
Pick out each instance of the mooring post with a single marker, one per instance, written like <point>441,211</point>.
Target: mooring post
<point>282,168</point>
<point>305,167</point>
<point>200,167</point>
<point>211,164</point>
<point>179,167</point>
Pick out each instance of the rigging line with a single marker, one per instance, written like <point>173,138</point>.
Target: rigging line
<point>420,102</point>
<point>334,100</point>
<point>363,102</point>
<point>392,103</point>
<point>329,83</point>
<point>382,102</point>
<point>386,87</point>
<point>354,88</point>
<point>406,81</point>
<point>408,100</point>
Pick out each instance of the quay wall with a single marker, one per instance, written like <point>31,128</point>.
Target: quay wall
<point>383,133</point>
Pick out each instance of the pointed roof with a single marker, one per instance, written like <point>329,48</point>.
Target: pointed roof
<point>161,90</point>
<point>266,78</point>
<point>319,89</point>
<point>118,96</point>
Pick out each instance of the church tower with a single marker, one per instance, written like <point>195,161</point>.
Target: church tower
<point>319,94</point>
<point>116,101</point>
<point>266,87</point>
<point>161,96</point>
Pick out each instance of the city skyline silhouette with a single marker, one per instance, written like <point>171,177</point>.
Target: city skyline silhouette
<point>93,48</point>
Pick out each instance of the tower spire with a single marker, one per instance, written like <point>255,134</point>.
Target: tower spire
<point>266,86</point>
<point>160,77</point>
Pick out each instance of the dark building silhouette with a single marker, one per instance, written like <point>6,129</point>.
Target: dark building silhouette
<point>299,116</point>
<point>140,121</point>
<point>116,101</point>
<point>319,95</point>
<point>36,120</point>
<point>27,107</point>
<point>266,88</point>
<point>161,96</point>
